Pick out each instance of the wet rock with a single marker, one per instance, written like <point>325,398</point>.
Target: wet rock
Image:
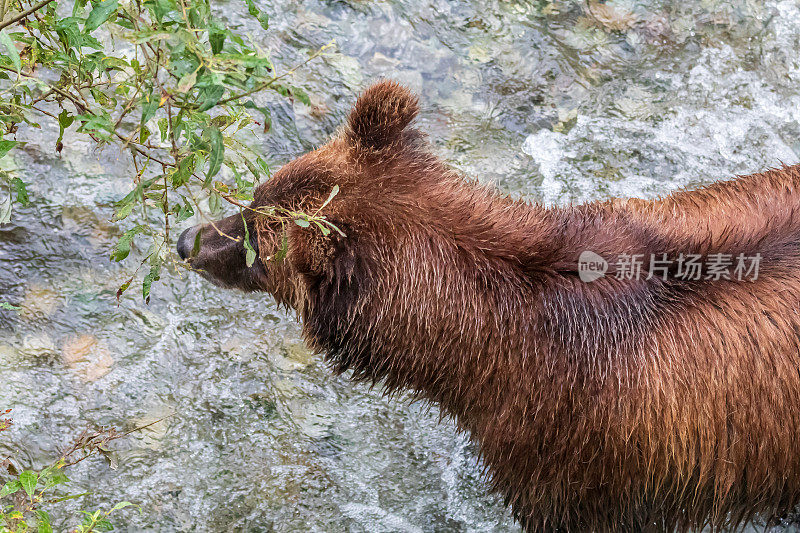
<point>40,301</point>
<point>636,103</point>
<point>154,427</point>
<point>38,346</point>
<point>299,353</point>
<point>292,356</point>
<point>657,28</point>
<point>233,345</point>
<point>87,357</point>
<point>410,78</point>
<point>380,61</point>
<point>313,418</point>
<point>8,354</point>
<point>349,69</point>
<point>611,17</point>
<point>479,54</point>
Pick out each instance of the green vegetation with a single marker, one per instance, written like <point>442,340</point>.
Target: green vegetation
<point>166,82</point>
<point>26,498</point>
<point>170,86</point>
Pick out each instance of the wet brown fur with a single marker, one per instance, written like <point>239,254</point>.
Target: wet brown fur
<point>617,405</point>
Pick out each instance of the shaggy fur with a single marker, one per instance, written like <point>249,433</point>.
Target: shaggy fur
<point>617,405</point>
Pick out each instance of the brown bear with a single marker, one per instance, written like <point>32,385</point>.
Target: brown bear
<point>613,402</point>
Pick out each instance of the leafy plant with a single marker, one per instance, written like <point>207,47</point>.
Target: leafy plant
<point>174,90</point>
<point>27,496</point>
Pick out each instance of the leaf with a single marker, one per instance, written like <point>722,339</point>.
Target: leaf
<point>70,497</point>
<point>163,127</point>
<point>126,205</point>
<point>217,40</point>
<point>13,53</point>
<point>284,250</point>
<point>184,171</point>
<point>21,191</point>
<point>99,124</point>
<point>334,192</point>
<point>250,253</point>
<point>69,33</point>
<point>99,15</point>
<point>43,522</point>
<point>144,134</point>
<point>123,288</point>
<point>153,275</point>
<point>196,244</point>
<point>103,525</point>
<point>217,152</point>
<point>263,164</point>
<point>123,246</point>
<point>163,7</point>
<point>281,89</point>
<point>250,60</point>
<point>120,505</point>
<point>58,478</point>
<point>184,211</point>
<point>147,36</point>
<point>28,480</point>
<point>214,203</point>
<point>8,307</point>
<point>114,63</point>
<point>303,223</point>
<point>262,18</point>
<point>301,95</point>
<point>122,212</point>
<point>209,96</point>
<point>325,231</point>
<point>252,168</point>
<point>64,122</point>
<point>5,146</point>
<point>264,111</point>
<point>10,488</point>
<point>5,212</point>
<point>336,228</point>
<point>187,82</point>
<point>149,103</point>
<point>77,8</point>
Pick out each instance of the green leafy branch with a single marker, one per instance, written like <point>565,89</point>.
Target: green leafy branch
<point>175,92</point>
<point>25,498</point>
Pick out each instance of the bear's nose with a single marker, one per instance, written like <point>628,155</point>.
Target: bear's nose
<point>186,242</point>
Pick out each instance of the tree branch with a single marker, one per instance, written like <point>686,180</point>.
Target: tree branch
<point>24,14</point>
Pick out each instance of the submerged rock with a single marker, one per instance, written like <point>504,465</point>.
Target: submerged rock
<point>38,346</point>
<point>87,357</point>
<point>40,301</point>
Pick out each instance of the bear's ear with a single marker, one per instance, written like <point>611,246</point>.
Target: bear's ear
<point>309,252</point>
<point>331,257</point>
<point>381,114</point>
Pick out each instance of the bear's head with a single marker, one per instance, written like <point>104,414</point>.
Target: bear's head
<point>361,180</point>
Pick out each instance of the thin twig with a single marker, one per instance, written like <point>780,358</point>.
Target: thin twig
<point>127,142</point>
<point>24,14</point>
<point>269,83</point>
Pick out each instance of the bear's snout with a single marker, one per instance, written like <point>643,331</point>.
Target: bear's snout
<point>186,242</point>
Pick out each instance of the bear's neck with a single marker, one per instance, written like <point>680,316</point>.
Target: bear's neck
<point>450,306</point>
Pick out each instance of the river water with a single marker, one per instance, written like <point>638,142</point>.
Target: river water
<point>553,101</point>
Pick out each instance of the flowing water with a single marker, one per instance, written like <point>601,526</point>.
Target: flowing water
<point>557,102</point>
